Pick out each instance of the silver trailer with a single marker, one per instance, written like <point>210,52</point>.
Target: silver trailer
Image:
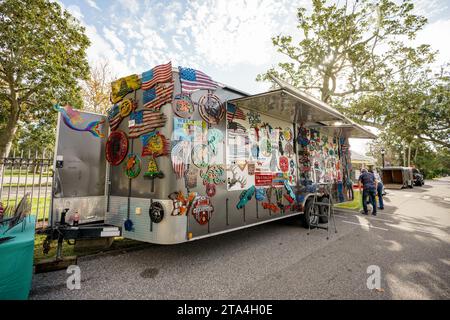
<point>264,160</point>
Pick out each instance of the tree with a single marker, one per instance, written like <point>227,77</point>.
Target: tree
<point>42,58</point>
<point>97,88</point>
<point>351,49</point>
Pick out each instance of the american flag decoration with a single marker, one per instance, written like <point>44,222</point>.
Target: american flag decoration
<point>192,80</point>
<point>159,74</point>
<point>157,96</point>
<point>234,112</point>
<point>181,158</point>
<point>145,121</point>
<point>114,117</point>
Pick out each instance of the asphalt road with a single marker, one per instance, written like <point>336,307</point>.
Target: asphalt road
<point>408,241</point>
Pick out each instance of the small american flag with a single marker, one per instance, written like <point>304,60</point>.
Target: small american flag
<point>159,74</point>
<point>157,96</point>
<point>234,112</point>
<point>192,80</point>
<point>145,121</point>
<point>114,117</point>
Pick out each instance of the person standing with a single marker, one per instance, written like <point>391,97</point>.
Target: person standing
<point>367,179</point>
<point>379,183</point>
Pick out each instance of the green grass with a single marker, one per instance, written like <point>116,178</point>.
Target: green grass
<point>34,205</point>
<point>356,204</point>
<point>69,250</point>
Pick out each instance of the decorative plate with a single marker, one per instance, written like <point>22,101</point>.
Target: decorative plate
<point>183,106</point>
<point>211,109</point>
<point>116,147</point>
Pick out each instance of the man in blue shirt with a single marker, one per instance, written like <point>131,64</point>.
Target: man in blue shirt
<point>367,179</point>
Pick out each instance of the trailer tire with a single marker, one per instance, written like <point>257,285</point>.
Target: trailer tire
<point>324,210</point>
<point>307,220</point>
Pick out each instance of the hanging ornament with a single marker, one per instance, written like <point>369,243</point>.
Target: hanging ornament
<point>287,133</point>
<point>245,197</point>
<point>251,169</point>
<point>200,156</point>
<point>132,166</point>
<point>273,162</point>
<point>183,106</point>
<point>154,144</point>
<point>202,209</point>
<point>190,178</point>
<point>153,170</point>
<point>211,109</point>
<point>181,204</point>
<point>116,147</point>
<point>284,164</point>
<point>214,174</point>
<point>156,212</point>
<point>253,118</point>
<point>181,157</point>
<point>241,164</point>
<point>260,194</point>
<point>215,137</point>
<point>210,189</point>
<point>125,107</point>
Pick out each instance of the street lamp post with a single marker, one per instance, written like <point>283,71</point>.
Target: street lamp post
<point>382,156</point>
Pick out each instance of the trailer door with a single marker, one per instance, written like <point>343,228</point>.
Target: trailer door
<point>80,171</point>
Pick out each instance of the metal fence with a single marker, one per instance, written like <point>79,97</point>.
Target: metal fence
<point>32,173</point>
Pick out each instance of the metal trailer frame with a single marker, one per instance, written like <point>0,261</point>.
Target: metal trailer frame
<point>104,210</point>
<point>389,176</point>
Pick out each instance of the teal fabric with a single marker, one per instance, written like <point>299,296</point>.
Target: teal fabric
<point>16,261</point>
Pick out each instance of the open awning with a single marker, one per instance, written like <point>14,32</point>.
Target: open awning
<point>290,104</point>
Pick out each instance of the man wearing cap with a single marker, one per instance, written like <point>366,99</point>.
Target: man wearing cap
<point>369,190</point>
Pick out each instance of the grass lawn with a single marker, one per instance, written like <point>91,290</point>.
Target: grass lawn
<point>34,205</point>
<point>356,204</point>
<point>68,250</point>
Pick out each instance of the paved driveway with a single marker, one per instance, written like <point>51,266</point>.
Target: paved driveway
<point>409,242</point>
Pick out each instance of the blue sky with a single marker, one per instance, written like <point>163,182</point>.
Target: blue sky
<point>229,40</point>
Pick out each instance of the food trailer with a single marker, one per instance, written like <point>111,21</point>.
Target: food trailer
<point>180,157</point>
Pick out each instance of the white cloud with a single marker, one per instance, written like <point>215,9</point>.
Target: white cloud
<point>130,5</point>
<point>111,36</point>
<point>75,11</point>
<point>434,34</point>
<point>92,4</point>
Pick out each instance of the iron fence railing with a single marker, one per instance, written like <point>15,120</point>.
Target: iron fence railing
<point>23,173</point>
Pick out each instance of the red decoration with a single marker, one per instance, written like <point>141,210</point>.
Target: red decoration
<point>116,147</point>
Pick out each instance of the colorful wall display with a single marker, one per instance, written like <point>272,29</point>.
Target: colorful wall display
<point>121,87</point>
<point>72,117</point>
<point>116,147</point>
<point>159,74</point>
<point>260,148</point>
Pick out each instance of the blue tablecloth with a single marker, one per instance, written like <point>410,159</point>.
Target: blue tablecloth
<point>16,260</point>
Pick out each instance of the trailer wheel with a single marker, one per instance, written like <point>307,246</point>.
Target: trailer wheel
<point>308,218</point>
<point>324,210</point>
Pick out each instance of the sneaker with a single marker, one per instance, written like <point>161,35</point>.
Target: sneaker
<point>365,213</point>
<point>374,214</point>
<point>381,208</point>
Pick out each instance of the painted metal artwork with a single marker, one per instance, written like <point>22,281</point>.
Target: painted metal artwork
<point>289,189</point>
<point>145,121</point>
<point>181,157</point>
<point>132,166</point>
<point>200,155</point>
<point>202,209</point>
<point>271,207</point>
<point>192,80</point>
<point>214,137</point>
<point>154,144</point>
<point>116,147</point>
<point>279,197</point>
<point>210,189</point>
<point>157,96</point>
<point>251,169</point>
<point>72,117</point>
<point>153,170</point>
<point>254,119</point>
<point>156,212</point>
<point>183,106</point>
<point>125,107</point>
<point>128,225</point>
<point>159,74</point>
<point>190,178</point>
<point>114,117</point>
<point>235,179</point>
<point>181,203</point>
<point>260,194</point>
<point>284,164</point>
<point>214,174</point>
<point>121,87</point>
<point>245,197</point>
<point>211,108</point>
